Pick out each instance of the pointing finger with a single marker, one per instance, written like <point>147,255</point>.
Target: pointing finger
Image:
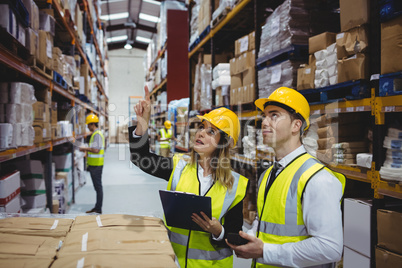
<point>147,95</point>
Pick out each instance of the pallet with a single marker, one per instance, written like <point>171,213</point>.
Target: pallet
<point>199,38</point>
<point>220,17</point>
<point>350,90</point>
<point>58,79</point>
<point>390,9</point>
<point>38,66</point>
<point>390,84</point>
<point>293,52</point>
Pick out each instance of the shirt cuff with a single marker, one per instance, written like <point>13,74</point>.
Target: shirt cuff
<point>220,237</point>
<point>135,135</point>
<point>270,253</point>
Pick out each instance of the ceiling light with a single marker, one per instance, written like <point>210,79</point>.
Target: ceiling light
<point>128,46</point>
<point>143,39</point>
<point>115,16</point>
<point>149,18</point>
<point>153,2</point>
<point>116,38</point>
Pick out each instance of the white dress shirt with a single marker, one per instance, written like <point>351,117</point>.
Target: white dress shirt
<point>323,219</point>
<point>205,183</point>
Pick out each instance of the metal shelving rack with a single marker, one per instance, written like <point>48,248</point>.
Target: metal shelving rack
<point>15,63</point>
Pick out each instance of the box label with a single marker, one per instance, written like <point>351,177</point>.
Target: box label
<point>243,44</point>
<point>276,74</point>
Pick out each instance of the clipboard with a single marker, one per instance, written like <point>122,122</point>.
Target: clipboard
<point>178,208</point>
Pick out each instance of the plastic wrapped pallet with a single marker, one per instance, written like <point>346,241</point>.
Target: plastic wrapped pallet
<point>194,22</point>
<point>165,6</point>
<point>47,23</point>
<point>326,67</point>
<point>8,20</point>
<point>282,74</point>
<point>206,90</point>
<point>287,25</point>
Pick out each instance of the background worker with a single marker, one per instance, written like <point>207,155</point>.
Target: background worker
<point>207,172</point>
<point>164,138</point>
<point>95,155</point>
<point>299,221</point>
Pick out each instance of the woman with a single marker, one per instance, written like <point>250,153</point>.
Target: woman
<point>206,172</point>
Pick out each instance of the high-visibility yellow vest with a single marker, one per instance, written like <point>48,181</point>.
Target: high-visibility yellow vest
<point>165,135</point>
<point>193,248</point>
<point>281,215</point>
<point>96,159</point>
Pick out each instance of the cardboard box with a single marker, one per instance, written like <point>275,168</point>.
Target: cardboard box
<point>245,61</point>
<point>305,77</point>
<point>353,68</point>
<point>63,163</point>
<point>9,187</point>
<point>391,46</point>
<point>219,58</point>
<point>43,131</point>
<point>249,76</point>
<point>112,260</point>
<point>34,201</point>
<point>46,48</point>
<point>39,111</point>
<point>236,81</point>
<point>23,246</point>
<point>233,96</point>
<point>241,45</point>
<point>387,259</point>
<point>351,42</point>
<point>33,12</point>
<point>311,60</point>
<point>357,225</point>
<point>32,42</point>
<point>101,241</point>
<point>249,93</point>
<point>47,227</point>
<point>114,220</point>
<point>320,42</point>
<point>389,231</point>
<point>353,259</point>
<point>12,205</point>
<point>354,13</point>
<point>43,96</point>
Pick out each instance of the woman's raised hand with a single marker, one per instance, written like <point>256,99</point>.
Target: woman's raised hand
<point>143,111</point>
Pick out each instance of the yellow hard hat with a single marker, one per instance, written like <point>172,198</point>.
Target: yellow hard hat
<point>91,118</point>
<point>287,98</point>
<point>168,124</point>
<point>225,120</point>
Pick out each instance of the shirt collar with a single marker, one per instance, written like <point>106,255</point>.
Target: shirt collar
<point>290,157</point>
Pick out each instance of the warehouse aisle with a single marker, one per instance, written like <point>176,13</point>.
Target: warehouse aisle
<point>126,190</point>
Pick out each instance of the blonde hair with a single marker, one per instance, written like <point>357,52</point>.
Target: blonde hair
<point>220,162</point>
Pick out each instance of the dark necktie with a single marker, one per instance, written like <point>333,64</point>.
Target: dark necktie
<point>272,177</point>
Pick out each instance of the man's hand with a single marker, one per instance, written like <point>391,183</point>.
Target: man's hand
<point>253,249</point>
<point>83,149</point>
<point>143,111</point>
<point>212,226</point>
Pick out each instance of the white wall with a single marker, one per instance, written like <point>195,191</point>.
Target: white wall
<point>126,78</point>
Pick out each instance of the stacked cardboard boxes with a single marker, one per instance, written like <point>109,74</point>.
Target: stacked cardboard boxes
<point>242,70</point>
<point>64,172</point>
<point>33,189</point>
<point>16,101</point>
<point>391,46</point>
<point>388,252</point>
<point>352,42</point>
<point>391,169</point>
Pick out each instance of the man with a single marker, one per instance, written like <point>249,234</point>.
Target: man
<point>95,157</point>
<point>299,220</point>
<point>164,137</point>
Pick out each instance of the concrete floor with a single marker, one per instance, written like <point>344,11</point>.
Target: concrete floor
<point>126,190</point>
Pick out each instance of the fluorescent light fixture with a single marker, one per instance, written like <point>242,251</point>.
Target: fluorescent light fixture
<point>128,46</point>
<point>115,16</point>
<point>117,38</point>
<point>153,2</point>
<point>143,39</point>
<point>149,18</point>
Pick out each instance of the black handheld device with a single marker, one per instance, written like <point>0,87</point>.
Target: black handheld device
<point>236,239</point>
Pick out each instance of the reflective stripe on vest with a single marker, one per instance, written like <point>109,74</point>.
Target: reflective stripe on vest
<point>282,222</point>
<point>194,248</point>
<point>96,159</point>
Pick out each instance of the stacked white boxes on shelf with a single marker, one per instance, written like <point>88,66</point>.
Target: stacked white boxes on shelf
<point>10,197</point>
<point>16,114</point>
<point>391,170</point>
